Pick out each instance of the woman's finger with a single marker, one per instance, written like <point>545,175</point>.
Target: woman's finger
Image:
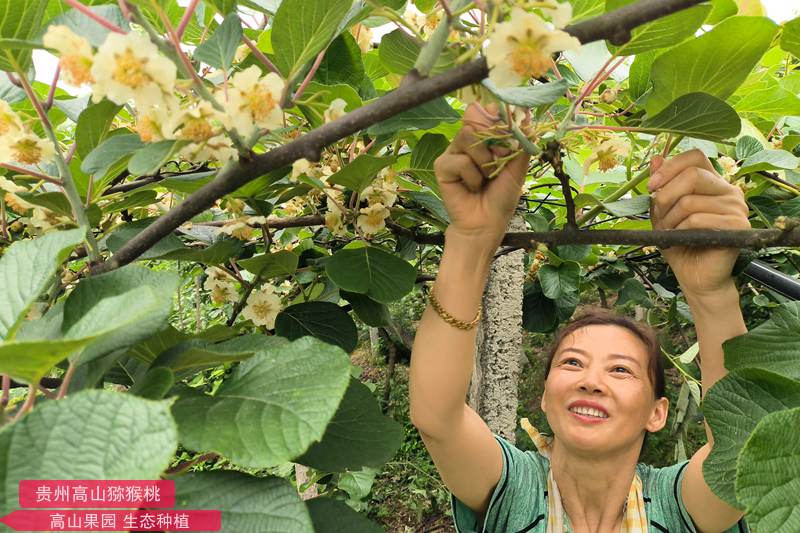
<point>673,167</point>
<point>713,221</point>
<point>697,203</point>
<point>692,180</point>
<point>455,167</point>
<point>467,142</point>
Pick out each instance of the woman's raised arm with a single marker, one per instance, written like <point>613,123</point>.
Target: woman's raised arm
<point>689,194</point>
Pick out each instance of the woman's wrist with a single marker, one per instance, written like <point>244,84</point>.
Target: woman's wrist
<point>481,243</point>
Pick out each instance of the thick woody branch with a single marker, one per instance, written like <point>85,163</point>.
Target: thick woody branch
<point>407,96</point>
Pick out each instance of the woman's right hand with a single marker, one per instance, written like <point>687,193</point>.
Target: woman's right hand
<point>479,208</point>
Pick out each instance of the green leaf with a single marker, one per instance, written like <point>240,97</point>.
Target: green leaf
<point>155,384</point>
<point>370,312</point>
<point>716,63</point>
<point>248,503</point>
<point>639,75</point>
<point>149,159</point>
<point>747,146</point>
<point>198,354</point>
<point>82,437</point>
<point>559,280</point>
<point>662,32</point>
<point>97,303</point>
<point>26,268</point>
<point>272,408</point>
<point>733,407</point>
<point>19,20</point>
<point>220,49</point>
<point>358,435</point>
<point>360,173</point>
<point>422,117</point>
<point>382,276</point>
<point>769,160</point>
<point>431,202</point>
<point>769,103</point>
<point>216,254</point>
<point>334,516</point>
<point>722,9</point>
<point>768,474</point>
<point>790,39</point>
<point>323,320</point>
<point>583,9</point>
<point>342,63</point>
<point>398,52</point>
<point>110,152</point>
<point>429,147</point>
<point>93,125</point>
<point>697,115</point>
<point>303,28</point>
<point>629,206</point>
<point>124,233</point>
<point>320,97</point>
<point>30,360</point>
<point>770,346</point>
<point>531,95</point>
<point>282,263</point>
<point>539,313</point>
<point>633,291</point>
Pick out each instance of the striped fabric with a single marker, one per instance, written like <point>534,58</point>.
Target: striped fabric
<point>635,518</point>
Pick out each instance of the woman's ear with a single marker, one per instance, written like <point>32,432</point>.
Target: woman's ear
<point>658,416</point>
<point>542,403</point>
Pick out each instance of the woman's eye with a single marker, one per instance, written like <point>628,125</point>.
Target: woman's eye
<point>620,368</point>
<point>568,361</point>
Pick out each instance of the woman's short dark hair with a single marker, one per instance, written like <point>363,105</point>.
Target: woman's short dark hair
<point>644,332</point>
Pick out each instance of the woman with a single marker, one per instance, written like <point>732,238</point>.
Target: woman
<point>602,390</point>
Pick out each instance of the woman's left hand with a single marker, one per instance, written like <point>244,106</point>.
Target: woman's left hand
<point>690,194</point>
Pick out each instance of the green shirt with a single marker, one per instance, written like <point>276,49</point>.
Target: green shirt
<point>519,501</point>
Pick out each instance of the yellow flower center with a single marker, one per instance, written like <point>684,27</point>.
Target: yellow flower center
<point>27,151</point>
<point>78,68</point>
<point>148,130</point>
<point>528,61</point>
<point>197,130</point>
<point>260,102</point>
<point>129,69</point>
<point>7,124</point>
<point>262,309</point>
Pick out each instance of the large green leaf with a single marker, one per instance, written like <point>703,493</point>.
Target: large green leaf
<point>19,20</point>
<point>715,63</point>
<point>770,102</point>
<point>769,160</point>
<point>150,158</point>
<point>93,434</point>
<point>358,174</point>
<point>342,63</point>
<point>110,152</point>
<point>220,49</point>
<point>665,31</point>
<point>281,263</point>
<point>323,320</point>
<point>398,52</point>
<point>772,346</point>
<point>790,39</point>
<point>583,9</point>
<point>382,276</point>
<point>217,253</point>
<point>125,232</point>
<point>273,407</point>
<point>733,407</point>
<point>302,28</point>
<point>143,300</point>
<point>25,270</point>
<point>249,504</point>
<point>197,354</point>
<point>557,280</point>
<point>697,115</point>
<point>29,360</point>
<point>334,516</point>
<point>530,95</point>
<point>429,147</point>
<point>370,312</point>
<point>768,474</point>
<point>93,125</point>
<point>358,435</point>
<point>422,117</point>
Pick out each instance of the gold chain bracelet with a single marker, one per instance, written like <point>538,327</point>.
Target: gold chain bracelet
<point>449,318</point>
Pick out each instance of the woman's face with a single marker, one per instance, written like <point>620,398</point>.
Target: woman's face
<point>598,396</point>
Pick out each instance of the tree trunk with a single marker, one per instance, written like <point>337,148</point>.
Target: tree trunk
<point>493,388</point>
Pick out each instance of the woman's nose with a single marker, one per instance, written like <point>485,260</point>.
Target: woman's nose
<point>590,382</point>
